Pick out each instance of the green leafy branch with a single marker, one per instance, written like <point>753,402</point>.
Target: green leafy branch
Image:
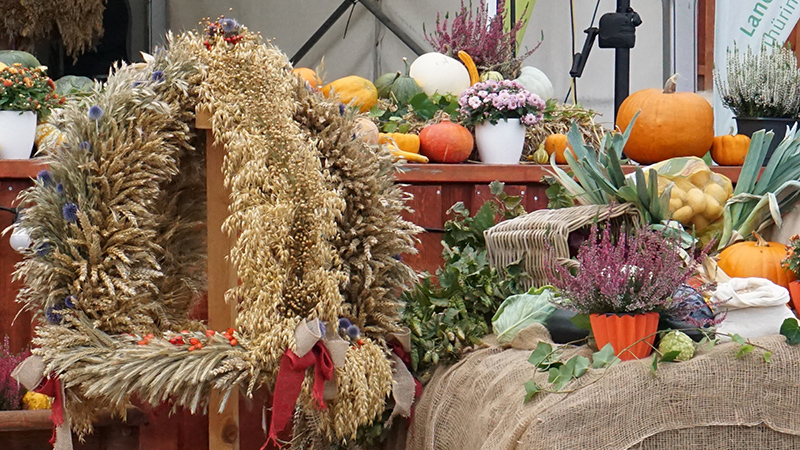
<point>393,118</point>
<point>546,357</point>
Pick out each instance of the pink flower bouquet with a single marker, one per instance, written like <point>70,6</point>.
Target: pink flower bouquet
<point>493,101</point>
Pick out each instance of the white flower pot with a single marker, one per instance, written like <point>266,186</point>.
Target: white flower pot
<point>17,133</point>
<point>500,143</point>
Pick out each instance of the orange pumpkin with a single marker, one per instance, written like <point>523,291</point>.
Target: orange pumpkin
<point>558,144</point>
<point>670,124</point>
<point>730,150</point>
<point>756,259</point>
<point>446,142</point>
<point>407,142</point>
<point>309,75</point>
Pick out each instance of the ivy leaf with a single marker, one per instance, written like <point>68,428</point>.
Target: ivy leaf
<point>541,353</point>
<point>791,330</point>
<point>531,389</point>
<point>767,357</point>
<point>483,220</point>
<point>743,350</point>
<point>560,376</point>
<point>581,321</point>
<point>670,356</point>
<point>740,340</point>
<point>604,358</point>
<point>578,365</point>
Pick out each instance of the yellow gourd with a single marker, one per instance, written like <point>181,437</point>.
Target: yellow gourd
<point>540,155</point>
<point>353,90</point>
<point>471,68</point>
<point>407,142</point>
<point>408,156</point>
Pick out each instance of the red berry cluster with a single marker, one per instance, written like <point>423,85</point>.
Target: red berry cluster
<point>228,334</point>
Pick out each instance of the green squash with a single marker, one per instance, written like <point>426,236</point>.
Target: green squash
<point>9,57</point>
<point>397,87</point>
<point>384,83</point>
<point>404,88</point>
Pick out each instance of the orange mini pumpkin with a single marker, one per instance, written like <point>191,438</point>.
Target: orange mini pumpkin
<point>558,143</point>
<point>446,142</point>
<point>670,124</point>
<point>309,75</point>
<point>756,259</point>
<point>730,150</point>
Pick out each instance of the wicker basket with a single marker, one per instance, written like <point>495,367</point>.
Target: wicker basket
<point>524,236</point>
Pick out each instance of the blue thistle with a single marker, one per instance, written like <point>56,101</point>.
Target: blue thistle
<point>341,109</point>
<point>344,323</point>
<point>70,212</point>
<point>53,315</point>
<point>60,189</point>
<point>137,84</point>
<point>95,112</point>
<point>44,177</point>
<point>229,26</point>
<point>398,257</point>
<point>85,146</point>
<point>158,76</point>
<point>70,301</point>
<point>44,249</point>
<point>353,332</point>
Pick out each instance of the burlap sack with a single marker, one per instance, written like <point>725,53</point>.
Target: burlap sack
<point>712,401</point>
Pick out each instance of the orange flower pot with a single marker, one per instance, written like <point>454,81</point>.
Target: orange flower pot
<point>622,330</point>
<point>794,292</point>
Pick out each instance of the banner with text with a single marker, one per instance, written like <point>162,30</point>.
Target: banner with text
<point>747,23</point>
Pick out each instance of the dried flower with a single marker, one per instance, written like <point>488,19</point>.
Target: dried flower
<point>792,260</point>
<point>44,177</point>
<point>158,76</point>
<point>60,189</point>
<point>53,315</point>
<point>229,26</point>
<point>69,301</point>
<point>353,332</point>
<point>344,323</point>
<point>636,272</point>
<point>86,146</point>
<point>491,101</point>
<point>95,112</point>
<point>44,249</point>
<point>10,391</point>
<point>70,212</point>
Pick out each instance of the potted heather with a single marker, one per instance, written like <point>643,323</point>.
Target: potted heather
<point>500,110</point>
<point>763,90</point>
<point>26,94</point>
<point>792,264</point>
<point>623,281</point>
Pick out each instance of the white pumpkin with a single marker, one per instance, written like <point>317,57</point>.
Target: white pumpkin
<point>435,72</point>
<point>534,80</point>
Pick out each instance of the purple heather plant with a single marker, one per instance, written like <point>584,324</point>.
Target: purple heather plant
<point>636,272</point>
<point>484,38</point>
<point>492,101</point>
<point>10,390</point>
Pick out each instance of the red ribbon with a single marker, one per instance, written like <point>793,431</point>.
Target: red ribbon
<point>50,387</point>
<point>290,380</point>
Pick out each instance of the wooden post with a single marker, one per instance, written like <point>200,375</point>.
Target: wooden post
<point>223,429</point>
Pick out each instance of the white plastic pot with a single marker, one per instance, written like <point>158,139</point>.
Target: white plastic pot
<point>17,134</point>
<point>500,143</point>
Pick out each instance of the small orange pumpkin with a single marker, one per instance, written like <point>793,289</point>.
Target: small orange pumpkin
<point>670,124</point>
<point>730,150</point>
<point>756,259</point>
<point>407,142</point>
<point>558,143</point>
<point>309,75</point>
<point>446,142</point>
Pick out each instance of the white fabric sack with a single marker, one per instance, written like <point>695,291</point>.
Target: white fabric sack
<point>755,307</point>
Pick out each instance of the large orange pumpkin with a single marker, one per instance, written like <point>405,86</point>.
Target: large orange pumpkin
<point>670,124</point>
<point>756,259</point>
<point>446,142</point>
